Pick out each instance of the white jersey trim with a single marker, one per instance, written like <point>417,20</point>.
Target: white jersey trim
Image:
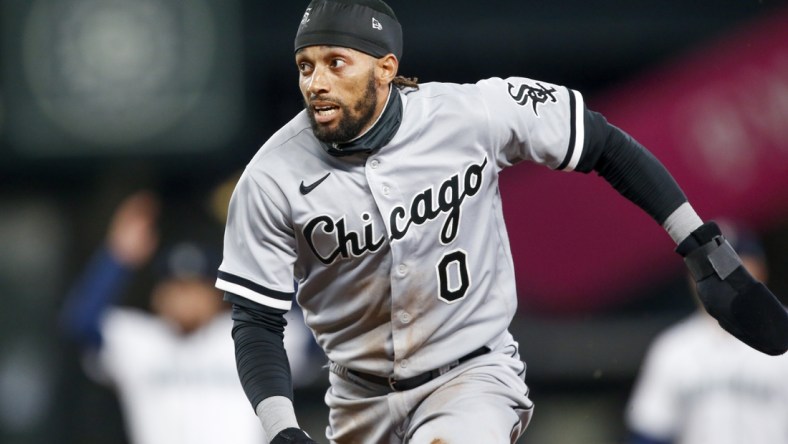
<point>579,130</point>
<point>253,295</point>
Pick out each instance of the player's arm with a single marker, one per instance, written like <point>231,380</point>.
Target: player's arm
<point>259,244</point>
<point>741,304</point>
<point>131,241</point>
<point>100,285</point>
<point>263,367</point>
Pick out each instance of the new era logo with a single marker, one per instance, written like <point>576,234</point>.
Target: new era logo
<point>305,19</point>
<point>376,24</point>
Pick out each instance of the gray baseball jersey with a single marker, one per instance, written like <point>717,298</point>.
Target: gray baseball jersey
<point>401,257</point>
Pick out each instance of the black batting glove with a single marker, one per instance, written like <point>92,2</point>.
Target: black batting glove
<point>742,305</point>
<point>292,435</point>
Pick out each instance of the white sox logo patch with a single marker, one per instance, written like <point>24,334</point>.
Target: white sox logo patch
<point>425,206</point>
<point>538,94</point>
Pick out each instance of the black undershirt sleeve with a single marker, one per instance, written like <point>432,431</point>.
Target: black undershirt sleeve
<point>260,356</point>
<point>629,167</point>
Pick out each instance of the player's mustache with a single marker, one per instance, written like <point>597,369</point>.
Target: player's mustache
<point>324,99</point>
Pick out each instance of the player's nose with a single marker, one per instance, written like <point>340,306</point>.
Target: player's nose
<point>318,82</point>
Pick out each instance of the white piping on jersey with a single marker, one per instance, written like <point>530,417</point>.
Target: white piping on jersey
<point>580,132</point>
<point>253,295</point>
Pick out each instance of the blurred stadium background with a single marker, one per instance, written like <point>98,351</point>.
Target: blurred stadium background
<point>99,98</point>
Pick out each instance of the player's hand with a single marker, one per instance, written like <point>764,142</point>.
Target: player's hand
<point>292,436</point>
<point>741,304</point>
<point>132,237</point>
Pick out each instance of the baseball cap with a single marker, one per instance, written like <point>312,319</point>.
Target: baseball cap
<point>369,26</point>
<point>187,259</point>
<point>742,239</point>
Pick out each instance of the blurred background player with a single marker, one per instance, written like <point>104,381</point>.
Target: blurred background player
<point>172,367</point>
<point>700,385</point>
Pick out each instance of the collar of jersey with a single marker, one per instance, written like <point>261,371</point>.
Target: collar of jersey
<point>378,135</point>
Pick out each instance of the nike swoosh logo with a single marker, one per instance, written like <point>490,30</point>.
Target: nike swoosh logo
<point>306,189</point>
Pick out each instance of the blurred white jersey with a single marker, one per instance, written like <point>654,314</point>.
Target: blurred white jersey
<point>700,385</point>
<point>176,388</point>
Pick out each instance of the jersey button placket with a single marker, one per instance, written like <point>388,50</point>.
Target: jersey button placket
<point>385,194</point>
<point>374,164</point>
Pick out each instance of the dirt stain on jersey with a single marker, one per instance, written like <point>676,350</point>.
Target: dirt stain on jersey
<point>416,303</point>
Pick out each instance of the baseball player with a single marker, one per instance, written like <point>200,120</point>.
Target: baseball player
<point>377,209</point>
<point>172,366</point>
<point>700,385</point>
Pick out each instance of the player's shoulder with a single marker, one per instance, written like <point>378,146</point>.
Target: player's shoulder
<point>291,153</point>
<point>284,148</point>
<point>463,99</point>
<point>122,325</point>
<point>685,336</point>
<point>295,132</point>
<point>221,322</point>
<point>445,90</point>
<point>486,91</point>
<point>130,316</point>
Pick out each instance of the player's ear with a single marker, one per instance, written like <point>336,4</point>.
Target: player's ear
<point>387,67</point>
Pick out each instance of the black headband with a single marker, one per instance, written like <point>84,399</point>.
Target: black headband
<point>351,24</point>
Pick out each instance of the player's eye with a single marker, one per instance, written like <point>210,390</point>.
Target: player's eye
<point>337,63</point>
<point>304,68</point>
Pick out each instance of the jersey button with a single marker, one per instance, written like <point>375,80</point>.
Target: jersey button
<point>402,269</point>
<point>386,191</point>
<point>374,164</point>
<point>404,363</point>
<point>405,317</point>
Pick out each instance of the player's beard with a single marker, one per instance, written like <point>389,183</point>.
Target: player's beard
<point>350,123</point>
